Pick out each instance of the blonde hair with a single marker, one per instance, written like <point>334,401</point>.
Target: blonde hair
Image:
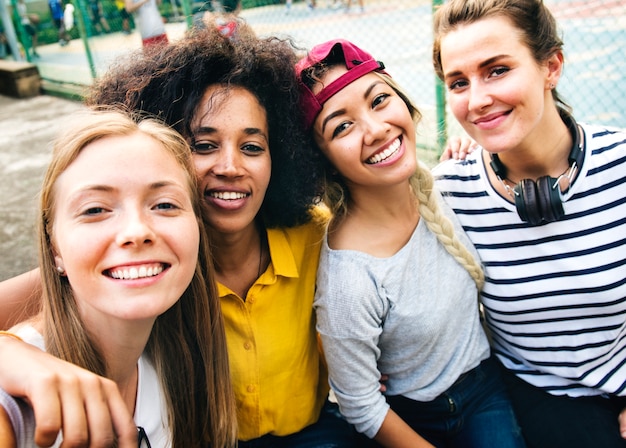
<point>187,345</point>
<point>336,197</point>
<point>422,184</point>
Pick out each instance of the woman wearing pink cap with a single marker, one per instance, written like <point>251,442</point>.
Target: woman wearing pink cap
<point>398,280</point>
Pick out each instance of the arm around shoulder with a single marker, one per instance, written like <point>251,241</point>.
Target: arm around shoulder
<point>20,298</point>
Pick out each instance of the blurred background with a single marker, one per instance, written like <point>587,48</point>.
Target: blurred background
<point>398,32</point>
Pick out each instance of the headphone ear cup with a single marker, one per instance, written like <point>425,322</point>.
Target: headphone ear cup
<point>527,203</point>
<point>549,199</point>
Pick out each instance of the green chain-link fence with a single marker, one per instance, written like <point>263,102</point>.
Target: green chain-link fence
<point>398,32</point>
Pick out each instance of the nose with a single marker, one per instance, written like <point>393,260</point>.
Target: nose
<point>228,162</point>
<point>135,229</point>
<point>375,128</point>
<point>479,97</point>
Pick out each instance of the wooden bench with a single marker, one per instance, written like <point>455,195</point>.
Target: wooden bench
<point>19,79</point>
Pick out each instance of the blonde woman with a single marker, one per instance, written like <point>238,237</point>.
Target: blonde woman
<point>125,267</point>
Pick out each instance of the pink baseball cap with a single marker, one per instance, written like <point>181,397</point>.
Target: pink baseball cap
<point>357,61</point>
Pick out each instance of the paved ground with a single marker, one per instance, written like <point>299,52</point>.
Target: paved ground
<point>26,128</point>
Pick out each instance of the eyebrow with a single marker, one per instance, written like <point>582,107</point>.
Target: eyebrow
<point>342,111</point>
<point>76,196</point>
<point>212,130</point>
<point>106,188</point>
<point>483,64</point>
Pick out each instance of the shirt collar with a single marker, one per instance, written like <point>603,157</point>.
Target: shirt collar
<point>282,261</point>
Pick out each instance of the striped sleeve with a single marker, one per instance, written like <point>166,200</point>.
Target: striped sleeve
<point>555,294</point>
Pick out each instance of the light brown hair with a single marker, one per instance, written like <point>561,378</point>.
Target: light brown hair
<point>187,345</point>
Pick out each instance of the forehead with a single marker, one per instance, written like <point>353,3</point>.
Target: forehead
<point>230,105</point>
<point>480,40</point>
<point>120,159</point>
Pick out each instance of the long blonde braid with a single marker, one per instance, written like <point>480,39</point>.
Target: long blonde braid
<point>422,183</point>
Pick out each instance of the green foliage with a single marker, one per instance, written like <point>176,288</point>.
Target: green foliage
<point>245,4</point>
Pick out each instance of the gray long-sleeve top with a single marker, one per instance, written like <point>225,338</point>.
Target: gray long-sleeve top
<point>413,316</point>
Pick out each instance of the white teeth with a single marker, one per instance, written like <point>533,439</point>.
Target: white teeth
<point>228,195</point>
<point>134,272</point>
<point>385,154</point>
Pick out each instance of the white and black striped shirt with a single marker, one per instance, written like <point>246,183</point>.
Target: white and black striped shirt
<point>555,294</point>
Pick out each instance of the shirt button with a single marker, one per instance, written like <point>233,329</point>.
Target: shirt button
<point>247,345</point>
<point>250,388</point>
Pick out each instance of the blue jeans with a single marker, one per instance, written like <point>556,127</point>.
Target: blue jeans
<point>474,413</point>
<point>330,431</point>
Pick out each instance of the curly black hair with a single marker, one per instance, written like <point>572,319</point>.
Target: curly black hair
<point>171,81</point>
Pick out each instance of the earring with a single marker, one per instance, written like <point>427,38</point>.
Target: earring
<point>60,270</point>
<point>552,86</point>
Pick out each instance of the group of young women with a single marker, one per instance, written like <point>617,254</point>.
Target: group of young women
<point>388,273</point>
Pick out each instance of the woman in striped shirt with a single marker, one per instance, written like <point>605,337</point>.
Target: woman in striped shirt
<point>543,201</point>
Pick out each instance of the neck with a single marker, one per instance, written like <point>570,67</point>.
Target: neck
<point>121,344</point>
<point>562,161</point>
<point>378,223</point>
<point>240,258</point>
<point>381,205</point>
<point>545,152</point>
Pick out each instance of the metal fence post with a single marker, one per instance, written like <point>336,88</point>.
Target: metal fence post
<point>440,102</point>
<point>24,39</point>
<point>81,16</point>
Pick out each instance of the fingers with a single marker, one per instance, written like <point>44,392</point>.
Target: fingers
<point>622,424</point>
<point>458,148</point>
<point>122,419</point>
<point>88,408</point>
<point>383,378</point>
<point>93,411</point>
<point>47,409</point>
<point>73,402</point>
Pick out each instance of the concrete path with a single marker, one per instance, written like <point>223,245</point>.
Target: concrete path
<point>26,128</point>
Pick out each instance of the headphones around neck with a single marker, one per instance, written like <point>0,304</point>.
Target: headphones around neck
<point>541,201</point>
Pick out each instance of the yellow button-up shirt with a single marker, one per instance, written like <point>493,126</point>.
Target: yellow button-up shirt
<point>278,375</point>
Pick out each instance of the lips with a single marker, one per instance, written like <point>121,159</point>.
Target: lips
<point>491,121</point>
<point>386,153</point>
<point>227,195</point>
<point>136,271</point>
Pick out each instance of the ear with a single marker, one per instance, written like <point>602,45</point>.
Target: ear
<point>58,261</point>
<point>554,65</point>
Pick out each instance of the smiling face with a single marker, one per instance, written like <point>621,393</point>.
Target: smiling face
<point>231,156</point>
<point>496,89</point>
<point>366,131</point>
<point>124,229</point>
